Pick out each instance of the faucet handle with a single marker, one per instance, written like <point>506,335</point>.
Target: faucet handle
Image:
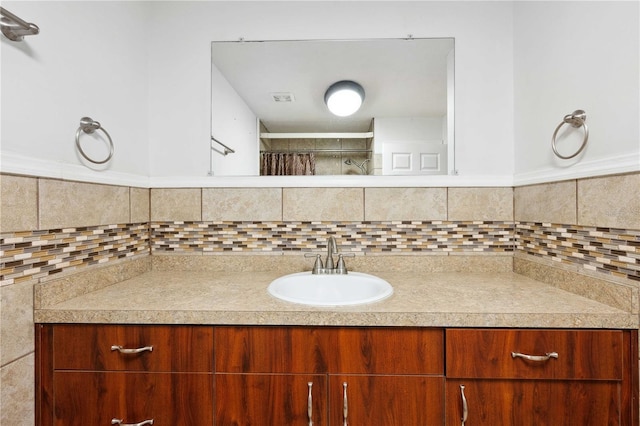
<point>317,266</point>
<point>341,267</point>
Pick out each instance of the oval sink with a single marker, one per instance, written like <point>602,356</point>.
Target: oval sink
<point>354,288</point>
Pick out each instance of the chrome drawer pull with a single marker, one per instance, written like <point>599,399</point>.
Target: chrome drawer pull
<point>115,421</point>
<point>537,358</point>
<point>345,404</point>
<point>465,406</point>
<point>310,404</point>
<point>131,351</point>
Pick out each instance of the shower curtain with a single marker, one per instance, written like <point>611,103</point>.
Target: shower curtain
<point>287,164</point>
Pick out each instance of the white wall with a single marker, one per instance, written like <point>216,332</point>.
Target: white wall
<point>576,55</point>
<point>234,125</point>
<point>90,59</point>
<point>179,104</point>
<point>143,70</point>
<point>408,129</point>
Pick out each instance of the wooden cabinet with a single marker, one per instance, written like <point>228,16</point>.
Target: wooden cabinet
<point>287,375</point>
<point>102,375</point>
<point>373,376</point>
<point>541,377</point>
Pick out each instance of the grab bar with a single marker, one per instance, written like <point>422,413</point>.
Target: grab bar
<point>15,28</point>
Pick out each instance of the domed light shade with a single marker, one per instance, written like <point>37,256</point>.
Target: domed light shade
<point>344,97</point>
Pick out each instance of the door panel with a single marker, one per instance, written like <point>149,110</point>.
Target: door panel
<point>535,403</point>
<point>387,400</point>
<point>270,399</point>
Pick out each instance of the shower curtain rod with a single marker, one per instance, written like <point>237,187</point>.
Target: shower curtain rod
<point>304,151</point>
<point>15,28</point>
<point>344,135</point>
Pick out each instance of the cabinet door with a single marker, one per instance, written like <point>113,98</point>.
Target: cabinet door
<point>270,399</point>
<point>97,398</point>
<point>386,400</point>
<point>534,403</point>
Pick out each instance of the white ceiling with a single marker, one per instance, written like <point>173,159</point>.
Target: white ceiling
<point>401,78</point>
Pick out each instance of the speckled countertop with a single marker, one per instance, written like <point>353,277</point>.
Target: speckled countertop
<point>434,300</point>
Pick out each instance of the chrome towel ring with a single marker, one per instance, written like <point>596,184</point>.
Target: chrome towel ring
<point>88,125</point>
<point>576,119</point>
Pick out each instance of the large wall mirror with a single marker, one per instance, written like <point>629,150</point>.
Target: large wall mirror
<point>269,114</point>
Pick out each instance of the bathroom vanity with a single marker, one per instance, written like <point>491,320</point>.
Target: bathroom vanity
<point>196,349</point>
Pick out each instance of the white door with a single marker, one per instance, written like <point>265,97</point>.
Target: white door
<point>414,158</point>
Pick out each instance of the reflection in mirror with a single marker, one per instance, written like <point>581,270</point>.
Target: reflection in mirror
<point>268,105</point>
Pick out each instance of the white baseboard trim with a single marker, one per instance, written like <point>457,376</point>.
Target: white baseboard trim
<point>12,163</point>
<point>607,166</point>
<point>339,181</point>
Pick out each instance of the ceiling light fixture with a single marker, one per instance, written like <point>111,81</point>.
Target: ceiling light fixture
<point>344,97</point>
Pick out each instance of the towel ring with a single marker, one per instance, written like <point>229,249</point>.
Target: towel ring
<point>576,119</point>
<point>88,125</point>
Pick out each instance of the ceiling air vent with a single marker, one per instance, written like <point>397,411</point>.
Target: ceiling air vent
<point>283,97</point>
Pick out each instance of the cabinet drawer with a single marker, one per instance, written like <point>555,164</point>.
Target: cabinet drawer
<point>144,348</point>
<point>96,398</point>
<point>387,351</point>
<point>270,350</point>
<point>357,350</point>
<point>489,353</point>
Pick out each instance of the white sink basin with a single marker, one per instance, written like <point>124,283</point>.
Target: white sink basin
<point>354,288</point>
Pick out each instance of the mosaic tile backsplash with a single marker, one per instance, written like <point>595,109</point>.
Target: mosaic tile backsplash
<point>37,254</point>
<point>393,237</point>
<point>610,251</point>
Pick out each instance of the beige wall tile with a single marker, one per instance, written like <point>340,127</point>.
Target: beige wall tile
<point>612,201</point>
<point>405,203</point>
<point>548,203</point>
<point>60,287</point>
<point>139,205</point>
<point>16,321</point>
<point>72,204</point>
<point>603,290</point>
<point>17,392</point>
<point>480,204</point>
<point>295,262</point>
<point>176,204</point>
<point>18,203</point>
<point>247,204</point>
<point>323,204</point>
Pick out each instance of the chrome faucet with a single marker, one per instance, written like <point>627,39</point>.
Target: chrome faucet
<point>332,247</point>
<point>330,266</point>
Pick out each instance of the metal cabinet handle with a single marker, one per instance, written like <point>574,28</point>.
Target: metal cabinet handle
<point>131,351</point>
<point>465,405</point>
<point>115,421</point>
<point>345,404</point>
<point>536,358</point>
<point>310,404</point>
